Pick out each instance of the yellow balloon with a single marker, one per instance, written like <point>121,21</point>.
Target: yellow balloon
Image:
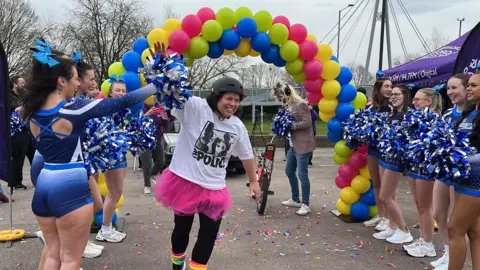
<point>226,17</point>
<point>149,100</point>
<point>145,54</point>
<point>120,202</point>
<point>157,35</point>
<point>189,59</point>
<point>254,53</point>
<point>264,20</point>
<point>242,12</point>
<point>101,179</point>
<point>343,208</point>
<point>342,149</point>
<point>352,83</point>
<point>198,47</point>
<point>360,184</point>
<point>373,211</point>
<point>349,196</point>
<point>143,81</point>
<point>299,78</point>
<point>227,52</point>
<point>289,50</point>
<point>339,160</point>
<point>105,88</point>
<point>294,67</point>
<point>325,117</point>
<point>360,101</point>
<point>172,24</point>
<point>365,172</point>
<point>327,105</point>
<point>244,48</point>
<point>212,30</point>
<point>311,37</point>
<point>116,69</point>
<point>325,53</point>
<point>278,34</point>
<point>331,89</point>
<point>116,211</point>
<point>331,70</point>
<point>103,189</point>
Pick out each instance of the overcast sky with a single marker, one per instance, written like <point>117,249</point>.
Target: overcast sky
<point>319,16</point>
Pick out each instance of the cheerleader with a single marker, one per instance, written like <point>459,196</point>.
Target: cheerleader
<point>382,90</point>
<point>443,191</point>
<point>391,169</point>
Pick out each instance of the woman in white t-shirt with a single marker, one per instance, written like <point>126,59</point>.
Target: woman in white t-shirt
<point>194,183</point>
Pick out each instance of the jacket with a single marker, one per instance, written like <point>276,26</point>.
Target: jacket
<point>302,136</point>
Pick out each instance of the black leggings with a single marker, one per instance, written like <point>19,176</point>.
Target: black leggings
<point>207,235</point>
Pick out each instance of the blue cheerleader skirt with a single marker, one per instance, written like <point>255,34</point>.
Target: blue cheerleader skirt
<point>471,185</point>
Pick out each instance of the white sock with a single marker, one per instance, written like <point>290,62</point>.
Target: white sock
<point>422,240</point>
<point>106,228</point>
<point>447,249</point>
<point>428,244</point>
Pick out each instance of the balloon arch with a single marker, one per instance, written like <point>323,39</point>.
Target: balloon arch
<point>277,42</point>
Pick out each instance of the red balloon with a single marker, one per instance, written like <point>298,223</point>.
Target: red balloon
<point>314,97</point>
<point>192,25</point>
<point>281,19</point>
<point>340,182</point>
<point>170,51</point>
<point>363,149</point>
<point>308,49</point>
<point>206,14</point>
<point>313,86</point>
<point>179,41</point>
<point>234,27</point>
<point>313,69</point>
<point>297,33</point>
<point>358,160</point>
<point>347,172</point>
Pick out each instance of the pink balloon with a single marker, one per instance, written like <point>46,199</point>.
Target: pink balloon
<point>313,69</point>
<point>297,33</point>
<point>358,160</point>
<point>347,172</point>
<point>340,182</point>
<point>100,96</point>
<point>206,14</point>
<point>170,51</point>
<point>313,86</point>
<point>314,97</point>
<point>363,149</point>
<point>281,19</point>
<point>192,25</point>
<point>179,41</point>
<point>308,49</point>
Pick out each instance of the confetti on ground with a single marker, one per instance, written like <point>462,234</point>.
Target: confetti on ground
<point>105,267</point>
<point>282,254</point>
<point>139,253</point>
<point>392,265</point>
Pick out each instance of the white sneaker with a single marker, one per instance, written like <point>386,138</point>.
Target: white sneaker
<point>422,250</point>
<point>442,267</point>
<point>147,190</point>
<point>291,203</point>
<point>415,243</point>
<point>40,235</point>
<point>385,234</point>
<point>90,252</point>
<point>400,237</point>
<point>372,222</point>
<point>93,245</point>
<point>111,236</point>
<point>440,262</point>
<point>304,210</point>
<point>383,225</point>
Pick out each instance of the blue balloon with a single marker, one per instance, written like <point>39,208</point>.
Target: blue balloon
<point>279,62</point>
<point>334,58</point>
<point>260,42</point>
<point>360,211</point>
<point>347,94</point>
<point>368,198</point>
<point>140,45</point>
<point>230,39</point>
<point>99,218</point>
<point>345,75</point>
<point>215,50</point>
<point>344,110</point>
<point>247,27</point>
<point>334,137</point>
<point>271,55</point>
<point>132,80</point>
<point>131,61</point>
<point>335,125</point>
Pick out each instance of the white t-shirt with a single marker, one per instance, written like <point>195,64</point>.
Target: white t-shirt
<point>205,144</point>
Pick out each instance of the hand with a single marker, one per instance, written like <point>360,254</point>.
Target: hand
<point>19,108</point>
<point>159,49</point>
<point>151,111</point>
<point>255,189</point>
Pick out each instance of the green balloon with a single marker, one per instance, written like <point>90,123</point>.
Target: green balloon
<point>198,47</point>
<point>342,150</point>
<point>226,17</point>
<point>299,78</point>
<point>212,30</point>
<point>289,51</point>
<point>360,101</point>
<point>264,20</point>
<point>294,67</point>
<point>242,12</point>
<point>278,34</point>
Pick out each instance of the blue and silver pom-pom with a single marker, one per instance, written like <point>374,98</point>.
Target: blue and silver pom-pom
<point>169,75</point>
<point>365,127</point>
<point>104,145</point>
<point>141,131</point>
<point>16,123</point>
<point>392,143</point>
<point>283,123</point>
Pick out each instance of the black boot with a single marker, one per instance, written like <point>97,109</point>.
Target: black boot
<point>182,266</point>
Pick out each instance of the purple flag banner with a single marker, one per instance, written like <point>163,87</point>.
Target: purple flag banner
<point>469,56</point>
<point>430,69</point>
<point>4,118</point>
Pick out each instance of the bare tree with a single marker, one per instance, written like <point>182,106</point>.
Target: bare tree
<point>400,60</point>
<point>170,13</point>
<point>205,70</point>
<point>358,72</point>
<point>437,39</point>
<point>105,29</point>
<point>263,75</point>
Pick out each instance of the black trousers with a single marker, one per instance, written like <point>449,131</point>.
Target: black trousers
<point>22,145</point>
<point>149,169</point>
<point>206,237</point>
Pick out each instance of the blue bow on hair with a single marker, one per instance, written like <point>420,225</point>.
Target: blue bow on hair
<point>438,87</point>
<point>115,78</point>
<point>380,74</point>
<point>478,66</point>
<point>77,56</point>
<point>43,53</point>
<point>411,86</point>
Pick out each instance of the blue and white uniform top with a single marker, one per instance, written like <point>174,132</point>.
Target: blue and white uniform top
<point>452,115</point>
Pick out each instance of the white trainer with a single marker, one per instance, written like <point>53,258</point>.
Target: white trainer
<point>415,243</point>
<point>400,237</point>
<point>304,210</point>
<point>382,225</point>
<point>40,235</point>
<point>385,234</point>
<point>440,262</point>
<point>442,267</point>
<point>90,252</point>
<point>111,236</point>
<point>422,251</point>
<point>147,190</point>
<point>373,221</point>
<point>93,245</point>
<point>291,203</point>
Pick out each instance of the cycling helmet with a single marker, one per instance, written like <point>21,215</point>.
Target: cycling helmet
<point>228,84</point>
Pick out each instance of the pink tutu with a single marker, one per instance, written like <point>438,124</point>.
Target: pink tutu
<point>186,198</point>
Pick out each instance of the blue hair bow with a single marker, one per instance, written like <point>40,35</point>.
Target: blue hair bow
<point>115,78</point>
<point>43,53</point>
<point>380,74</point>
<point>77,56</point>
<point>411,86</point>
<point>438,87</point>
<point>478,66</point>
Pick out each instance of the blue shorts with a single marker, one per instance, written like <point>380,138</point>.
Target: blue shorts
<point>395,168</point>
<point>120,166</point>
<point>471,185</point>
<point>37,166</point>
<point>373,152</point>
<point>447,181</point>
<point>419,177</point>
<point>61,189</point>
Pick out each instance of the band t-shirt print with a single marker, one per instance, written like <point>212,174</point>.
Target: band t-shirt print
<point>214,146</point>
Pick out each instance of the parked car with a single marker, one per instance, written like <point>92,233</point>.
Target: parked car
<point>170,140</point>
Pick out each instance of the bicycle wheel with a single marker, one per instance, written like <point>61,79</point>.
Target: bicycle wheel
<point>262,204</point>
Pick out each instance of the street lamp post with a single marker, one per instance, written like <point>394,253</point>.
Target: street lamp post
<point>460,30</point>
<point>339,21</point>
